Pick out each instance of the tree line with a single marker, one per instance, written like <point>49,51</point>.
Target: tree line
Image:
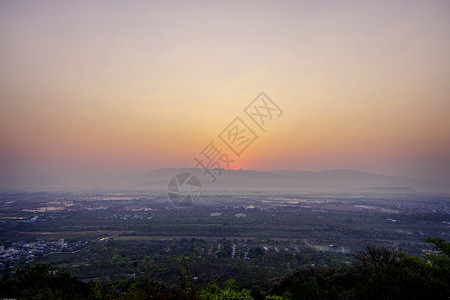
<point>378,273</point>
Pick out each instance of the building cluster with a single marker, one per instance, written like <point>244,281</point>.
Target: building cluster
<point>30,250</point>
<point>126,217</point>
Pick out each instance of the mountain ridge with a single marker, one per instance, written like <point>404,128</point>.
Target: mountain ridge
<point>332,180</point>
<point>326,180</point>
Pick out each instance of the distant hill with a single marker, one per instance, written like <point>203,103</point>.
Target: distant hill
<point>337,180</point>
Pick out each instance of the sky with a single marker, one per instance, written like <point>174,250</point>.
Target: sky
<point>132,86</point>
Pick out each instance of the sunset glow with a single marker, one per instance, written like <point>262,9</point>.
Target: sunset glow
<point>135,86</point>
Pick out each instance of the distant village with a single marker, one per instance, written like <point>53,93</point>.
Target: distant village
<point>28,251</point>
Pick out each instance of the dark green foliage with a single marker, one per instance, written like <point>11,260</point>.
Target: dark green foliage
<point>229,291</point>
<point>389,275</point>
<point>317,283</point>
<point>379,273</point>
<point>42,281</point>
<point>441,259</point>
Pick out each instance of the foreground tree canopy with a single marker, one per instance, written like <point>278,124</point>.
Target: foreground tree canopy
<point>379,273</point>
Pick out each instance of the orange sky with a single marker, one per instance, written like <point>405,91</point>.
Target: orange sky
<point>130,86</point>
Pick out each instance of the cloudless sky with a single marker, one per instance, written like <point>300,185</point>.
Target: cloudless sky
<point>131,86</point>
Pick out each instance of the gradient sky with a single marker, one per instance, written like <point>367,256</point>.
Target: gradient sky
<point>131,86</point>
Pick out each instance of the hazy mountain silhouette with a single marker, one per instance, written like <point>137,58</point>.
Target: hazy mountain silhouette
<point>338,180</point>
